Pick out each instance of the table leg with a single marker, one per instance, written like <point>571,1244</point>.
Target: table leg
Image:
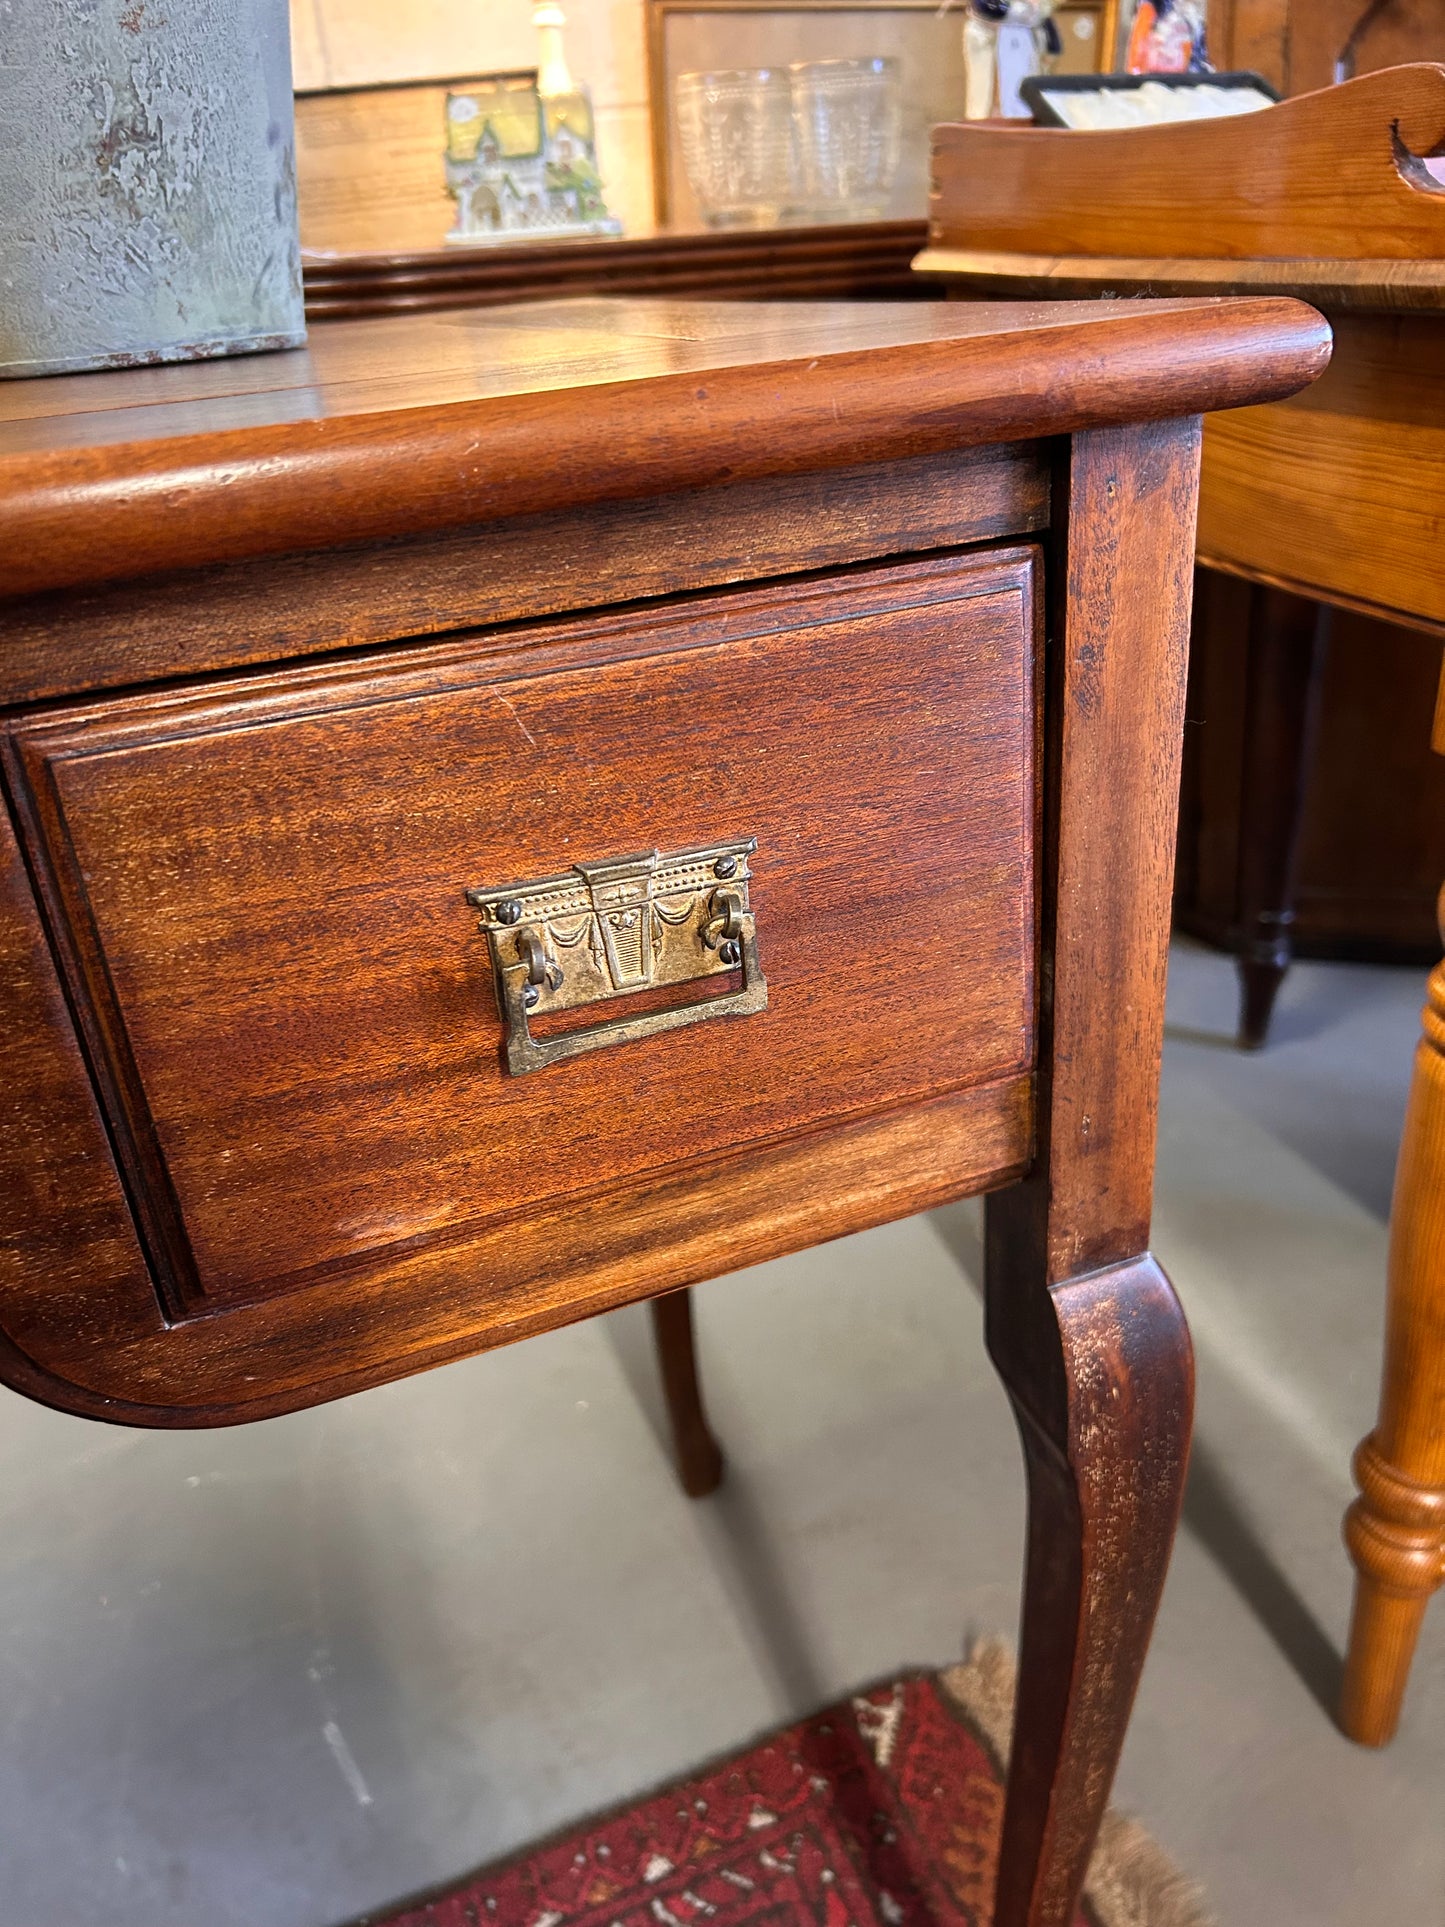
<point>699,1457</point>
<point>1395,1530</point>
<point>1104,1404</point>
<point>1082,1324</point>
<point>1288,637</point>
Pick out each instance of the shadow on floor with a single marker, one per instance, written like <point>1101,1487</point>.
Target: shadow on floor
<point>756,1582</point>
<point>733,1529</point>
<point>750,1572</point>
<point>1214,1516</point>
<point>1205,1039</point>
<point>1337,1102</point>
<point>1298,1023</point>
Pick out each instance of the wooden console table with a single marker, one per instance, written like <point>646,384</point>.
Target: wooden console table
<point>513,813</point>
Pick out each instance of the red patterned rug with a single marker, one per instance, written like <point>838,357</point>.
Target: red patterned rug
<point>883,1811</point>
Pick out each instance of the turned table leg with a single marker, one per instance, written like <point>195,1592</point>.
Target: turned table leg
<point>1395,1530</point>
<point>1288,637</point>
<point>699,1457</point>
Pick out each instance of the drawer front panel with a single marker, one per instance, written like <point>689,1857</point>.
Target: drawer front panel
<point>258,893</point>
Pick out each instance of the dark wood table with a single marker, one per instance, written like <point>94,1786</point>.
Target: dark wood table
<point>512,813</point>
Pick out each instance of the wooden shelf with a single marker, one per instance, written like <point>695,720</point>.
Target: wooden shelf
<point>867,260</point>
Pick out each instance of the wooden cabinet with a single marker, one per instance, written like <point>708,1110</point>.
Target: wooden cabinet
<point>512,813</point>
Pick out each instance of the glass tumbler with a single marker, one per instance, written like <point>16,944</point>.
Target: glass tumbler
<point>848,120</point>
<point>737,143</point>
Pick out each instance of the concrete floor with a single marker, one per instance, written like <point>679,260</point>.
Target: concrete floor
<point>281,1675</point>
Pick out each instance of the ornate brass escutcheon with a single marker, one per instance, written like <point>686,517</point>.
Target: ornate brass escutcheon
<point>602,930</point>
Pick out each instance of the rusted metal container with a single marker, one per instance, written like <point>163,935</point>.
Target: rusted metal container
<point>147,183</point>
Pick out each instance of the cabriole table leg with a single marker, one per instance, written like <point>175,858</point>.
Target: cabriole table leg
<point>1083,1326</point>
<point>1106,1446</point>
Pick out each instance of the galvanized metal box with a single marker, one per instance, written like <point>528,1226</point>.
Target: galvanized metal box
<point>147,183</point>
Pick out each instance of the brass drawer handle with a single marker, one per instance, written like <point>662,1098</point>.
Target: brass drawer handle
<point>602,930</point>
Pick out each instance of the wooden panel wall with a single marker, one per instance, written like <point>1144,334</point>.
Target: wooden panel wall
<point>1295,43</point>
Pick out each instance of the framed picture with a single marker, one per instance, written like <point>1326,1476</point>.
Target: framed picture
<point>691,36</point>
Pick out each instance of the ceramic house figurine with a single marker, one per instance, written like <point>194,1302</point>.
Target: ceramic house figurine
<point>521,153</point>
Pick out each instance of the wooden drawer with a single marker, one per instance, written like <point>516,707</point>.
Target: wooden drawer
<point>256,891</point>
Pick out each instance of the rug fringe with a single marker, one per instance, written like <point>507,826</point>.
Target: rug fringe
<point>982,1684</point>
<point>1132,1882</point>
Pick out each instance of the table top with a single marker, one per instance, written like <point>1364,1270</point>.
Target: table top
<point>388,426</point>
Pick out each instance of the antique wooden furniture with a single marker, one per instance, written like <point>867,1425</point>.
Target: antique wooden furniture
<point>1329,501</point>
<point>864,260</point>
<point>1395,1530</point>
<point>789,697</point>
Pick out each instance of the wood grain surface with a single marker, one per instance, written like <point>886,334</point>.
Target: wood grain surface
<point>1082,1324</point>
<point>390,428</point>
<point>258,896</point>
<point>260,1147</point>
<point>279,609</point>
<point>697,1453</point>
<point>1253,36</point>
<point>1318,32</point>
<point>1372,836</point>
<point>1329,174</point>
<point>858,260</point>
<point>67,1236</point>
<point>1371,286</point>
<point>1339,494</point>
<point>1395,1530</point>
<point>1334,496</point>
